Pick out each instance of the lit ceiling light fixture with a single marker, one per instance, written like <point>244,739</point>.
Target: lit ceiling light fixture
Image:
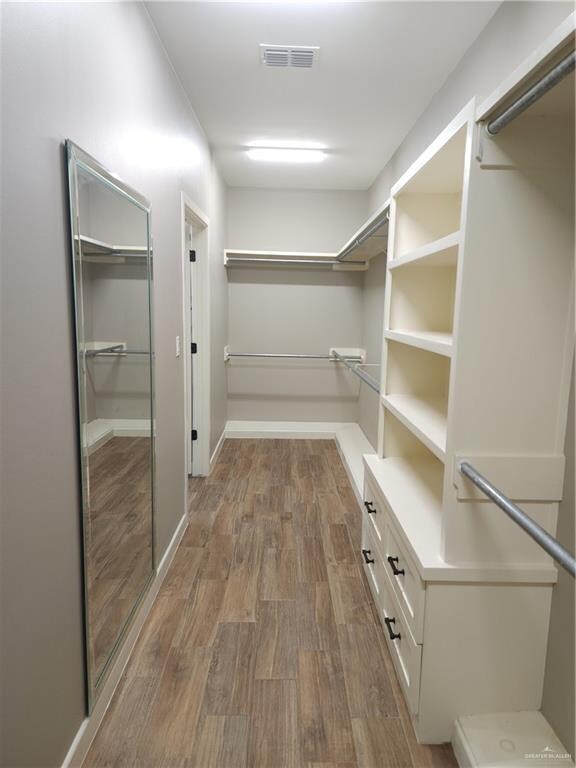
<point>287,152</point>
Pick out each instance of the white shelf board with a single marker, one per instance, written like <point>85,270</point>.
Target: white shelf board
<point>266,256</point>
<point>412,489</point>
<point>440,253</point>
<point>424,417</point>
<point>432,341</point>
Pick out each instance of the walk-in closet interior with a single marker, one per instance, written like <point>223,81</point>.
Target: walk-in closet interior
<point>288,327</point>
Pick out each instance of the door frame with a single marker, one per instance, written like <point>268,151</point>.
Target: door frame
<point>196,377</point>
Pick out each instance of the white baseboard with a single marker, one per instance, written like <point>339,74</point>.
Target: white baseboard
<point>87,731</point>
<point>99,431</point>
<point>216,453</point>
<point>351,441</point>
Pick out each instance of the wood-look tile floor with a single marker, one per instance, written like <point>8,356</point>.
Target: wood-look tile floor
<point>263,648</point>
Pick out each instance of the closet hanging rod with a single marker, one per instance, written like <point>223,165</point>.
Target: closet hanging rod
<point>535,92</point>
<point>366,378</point>
<point>374,227</point>
<point>115,352</point>
<point>236,260</point>
<point>292,356</point>
<point>535,531</point>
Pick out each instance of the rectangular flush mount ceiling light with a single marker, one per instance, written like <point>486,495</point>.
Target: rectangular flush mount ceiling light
<point>286,154</point>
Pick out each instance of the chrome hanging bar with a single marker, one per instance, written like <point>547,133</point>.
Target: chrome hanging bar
<point>116,351</point>
<point>287,356</point>
<point>374,227</point>
<point>554,76</point>
<point>353,365</point>
<point>237,260</point>
<point>548,543</point>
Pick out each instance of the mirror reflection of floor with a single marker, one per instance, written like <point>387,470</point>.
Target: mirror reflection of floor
<point>118,539</point>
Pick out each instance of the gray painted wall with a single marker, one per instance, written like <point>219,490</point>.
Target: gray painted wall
<point>512,34</point>
<point>301,311</point>
<point>558,700</point>
<point>96,73</point>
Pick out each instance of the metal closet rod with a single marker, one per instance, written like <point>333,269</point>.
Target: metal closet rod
<point>548,543</point>
<point>291,356</point>
<point>365,235</point>
<point>366,378</point>
<point>235,260</point>
<point>535,92</point>
<point>115,352</point>
<point>350,361</point>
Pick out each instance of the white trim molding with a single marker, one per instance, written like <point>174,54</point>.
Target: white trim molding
<point>196,290</point>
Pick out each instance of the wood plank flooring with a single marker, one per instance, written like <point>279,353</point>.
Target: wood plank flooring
<point>263,649</point>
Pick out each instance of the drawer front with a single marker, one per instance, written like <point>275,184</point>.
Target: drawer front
<point>406,653</point>
<point>374,513</point>
<point>408,588</point>
<point>375,573</point>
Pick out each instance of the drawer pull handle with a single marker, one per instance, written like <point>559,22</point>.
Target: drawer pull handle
<point>367,558</point>
<point>393,635</point>
<point>393,561</point>
<point>369,507</point>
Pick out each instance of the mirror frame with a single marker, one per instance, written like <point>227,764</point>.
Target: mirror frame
<point>77,158</point>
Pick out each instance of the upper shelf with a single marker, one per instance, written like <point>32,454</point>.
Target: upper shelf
<point>233,257</point>
<point>369,241</point>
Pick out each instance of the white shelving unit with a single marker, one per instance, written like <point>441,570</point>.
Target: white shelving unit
<point>477,350</point>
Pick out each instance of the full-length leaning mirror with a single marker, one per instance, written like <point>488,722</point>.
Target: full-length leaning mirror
<point>110,226</point>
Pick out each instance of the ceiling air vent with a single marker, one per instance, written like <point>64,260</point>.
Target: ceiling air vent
<point>302,57</point>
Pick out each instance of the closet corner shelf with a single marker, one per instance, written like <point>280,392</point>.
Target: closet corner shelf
<point>432,341</point>
<point>425,417</point>
<point>440,253</point>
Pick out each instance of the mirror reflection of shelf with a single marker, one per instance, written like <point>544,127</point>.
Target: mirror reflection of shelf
<point>97,251</point>
<point>93,348</point>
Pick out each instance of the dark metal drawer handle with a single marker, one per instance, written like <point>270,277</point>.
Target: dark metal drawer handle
<point>393,561</point>
<point>369,507</point>
<point>367,558</point>
<point>393,635</point>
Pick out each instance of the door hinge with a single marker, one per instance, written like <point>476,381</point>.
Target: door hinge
<point>194,435</point>
<point>192,255</point>
<point>193,348</point>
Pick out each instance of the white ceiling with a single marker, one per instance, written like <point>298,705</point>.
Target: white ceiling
<point>380,64</point>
